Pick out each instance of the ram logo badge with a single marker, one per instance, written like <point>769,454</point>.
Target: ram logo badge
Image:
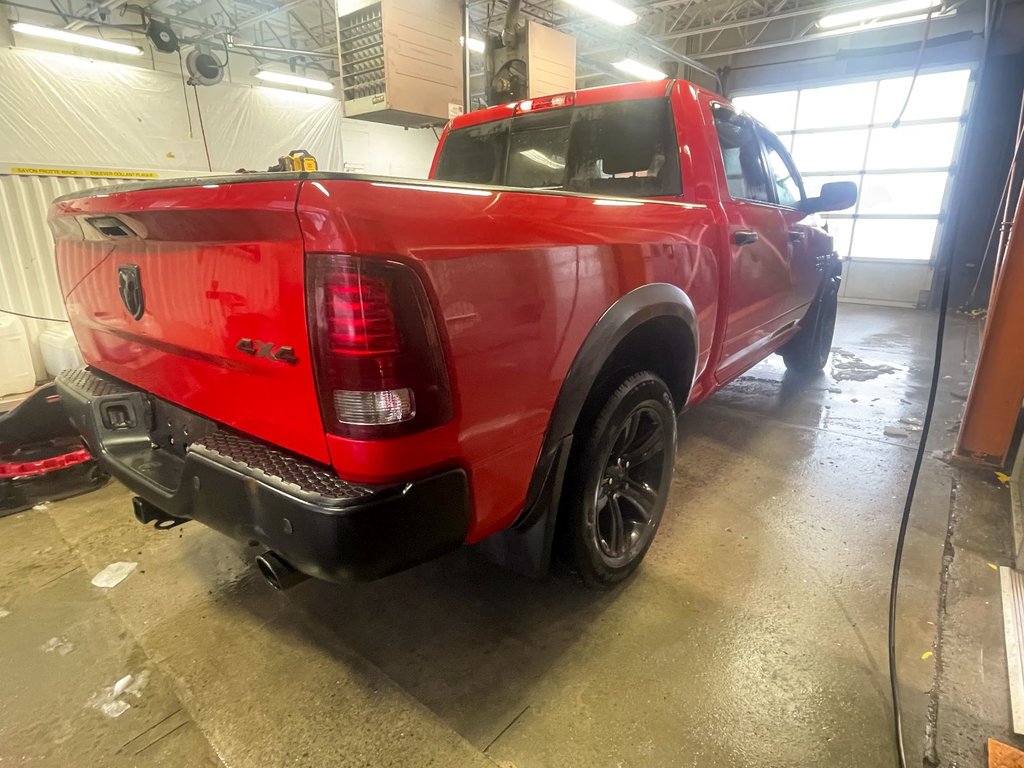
<point>129,286</point>
<point>267,350</point>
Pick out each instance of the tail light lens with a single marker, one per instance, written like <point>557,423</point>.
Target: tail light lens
<point>378,359</point>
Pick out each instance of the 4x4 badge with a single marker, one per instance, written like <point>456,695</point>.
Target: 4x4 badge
<point>266,349</point>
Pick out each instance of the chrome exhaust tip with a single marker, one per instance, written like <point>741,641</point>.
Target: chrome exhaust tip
<point>279,573</point>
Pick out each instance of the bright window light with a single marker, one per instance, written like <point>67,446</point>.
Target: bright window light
<point>872,12</point>
<point>476,46</point>
<point>638,70</point>
<point>299,82</point>
<point>606,10</point>
<point>75,39</point>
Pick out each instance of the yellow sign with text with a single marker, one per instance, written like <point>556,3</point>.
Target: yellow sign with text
<point>88,172</point>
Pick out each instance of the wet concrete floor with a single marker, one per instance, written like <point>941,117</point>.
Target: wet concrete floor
<point>754,634</point>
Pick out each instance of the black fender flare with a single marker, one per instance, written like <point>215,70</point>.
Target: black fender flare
<point>526,545</point>
<point>620,319</point>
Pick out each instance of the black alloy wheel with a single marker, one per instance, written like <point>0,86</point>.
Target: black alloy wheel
<point>619,482</point>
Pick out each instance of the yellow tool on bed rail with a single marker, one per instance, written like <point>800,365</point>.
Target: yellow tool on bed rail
<point>296,160</point>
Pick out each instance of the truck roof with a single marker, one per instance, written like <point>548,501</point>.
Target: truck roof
<point>599,95</point>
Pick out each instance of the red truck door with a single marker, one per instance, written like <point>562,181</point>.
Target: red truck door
<point>805,266</point>
<point>761,300</point>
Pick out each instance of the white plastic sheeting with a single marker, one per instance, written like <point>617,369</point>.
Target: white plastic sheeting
<point>69,110</point>
<point>28,274</point>
<point>57,109</point>
<point>61,111</point>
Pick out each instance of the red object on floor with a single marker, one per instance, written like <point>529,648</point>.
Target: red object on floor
<point>41,467</point>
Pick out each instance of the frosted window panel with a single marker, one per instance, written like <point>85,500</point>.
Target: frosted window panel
<point>903,193</point>
<point>842,232</point>
<point>907,239</point>
<point>776,110</point>
<point>912,146</point>
<point>812,185</point>
<point>941,94</point>
<point>836,105</point>
<point>830,151</point>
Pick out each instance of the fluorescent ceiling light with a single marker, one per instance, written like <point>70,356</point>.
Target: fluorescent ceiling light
<point>75,39</point>
<point>299,82</point>
<point>882,23</point>
<point>606,10</point>
<point>476,46</point>
<point>636,69</point>
<point>873,12</point>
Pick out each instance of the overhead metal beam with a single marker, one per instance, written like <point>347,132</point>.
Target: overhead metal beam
<point>807,38</point>
<point>105,5</point>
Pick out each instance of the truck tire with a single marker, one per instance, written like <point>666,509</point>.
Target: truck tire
<point>808,351</point>
<point>618,483</point>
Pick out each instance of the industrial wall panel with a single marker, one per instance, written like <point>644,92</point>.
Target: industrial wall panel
<point>28,274</point>
<point>401,61</point>
<point>552,60</point>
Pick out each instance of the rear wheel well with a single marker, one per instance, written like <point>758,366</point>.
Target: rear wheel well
<point>662,345</point>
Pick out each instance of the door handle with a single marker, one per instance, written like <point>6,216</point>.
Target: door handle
<point>744,237</point>
<point>796,236</point>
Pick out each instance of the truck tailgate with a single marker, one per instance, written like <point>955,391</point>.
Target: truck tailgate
<point>196,294</point>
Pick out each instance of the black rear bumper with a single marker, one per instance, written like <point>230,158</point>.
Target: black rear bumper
<point>324,526</point>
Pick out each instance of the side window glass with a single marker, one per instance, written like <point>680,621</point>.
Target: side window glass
<point>474,155</point>
<point>741,154</point>
<point>787,189</point>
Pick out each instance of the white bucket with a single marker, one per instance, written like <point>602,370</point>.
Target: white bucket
<point>59,349</point>
<point>16,372</point>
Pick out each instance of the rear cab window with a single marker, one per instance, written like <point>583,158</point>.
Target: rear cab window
<point>621,149</point>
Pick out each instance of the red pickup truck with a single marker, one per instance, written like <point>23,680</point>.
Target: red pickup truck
<point>362,373</point>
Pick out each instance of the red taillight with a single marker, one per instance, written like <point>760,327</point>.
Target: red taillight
<point>378,358</point>
<point>358,314</point>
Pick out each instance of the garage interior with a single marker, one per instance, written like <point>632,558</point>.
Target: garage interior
<point>755,633</point>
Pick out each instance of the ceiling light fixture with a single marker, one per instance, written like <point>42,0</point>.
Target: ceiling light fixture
<point>606,10</point>
<point>476,46</point>
<point>874,12</point>
<point>883,23</point>
<point>638,70</point>
<point>75,39</point>
<point>281,78</point>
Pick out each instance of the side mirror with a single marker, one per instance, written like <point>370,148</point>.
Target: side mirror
<point>835,196</point>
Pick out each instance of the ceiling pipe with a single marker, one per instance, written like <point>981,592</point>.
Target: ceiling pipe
<point>508,32</point>
<point>232,45</point>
